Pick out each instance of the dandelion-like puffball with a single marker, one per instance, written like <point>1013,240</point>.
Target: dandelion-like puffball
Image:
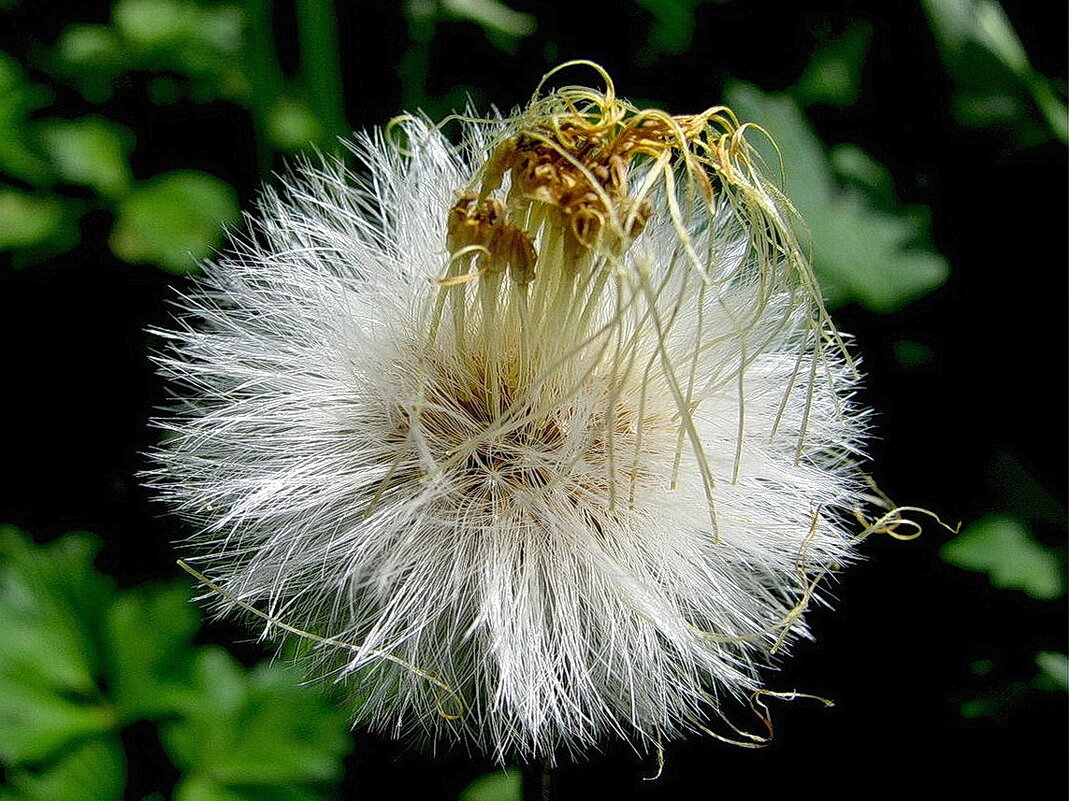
<point>537,440</point>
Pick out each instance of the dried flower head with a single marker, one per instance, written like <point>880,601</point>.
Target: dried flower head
<point>539,439</point>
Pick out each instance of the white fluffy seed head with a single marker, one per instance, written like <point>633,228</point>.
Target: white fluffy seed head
<point>540,439</point>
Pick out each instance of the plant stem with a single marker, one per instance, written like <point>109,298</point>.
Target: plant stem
<point>415,63</point>
<point>265,77</point>
<point>317,27</point>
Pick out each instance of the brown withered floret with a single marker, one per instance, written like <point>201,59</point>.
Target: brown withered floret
<point>582,181</point>
<point>483,225</point>
<point>574,170</point>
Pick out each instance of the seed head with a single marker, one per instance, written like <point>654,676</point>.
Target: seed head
<point>536,440</point>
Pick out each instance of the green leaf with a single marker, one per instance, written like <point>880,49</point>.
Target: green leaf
<point>93,771</point>
<point>27,220</point>
<point>201,45</point>
<point>18,99</point>
<point>959,24</point>
<point>673,25</point>
<point>502,785</point>
<point>292,125</point>
<point>91,57</point>
<point>199,788</point>
<point>1055,668</point>
<point>984,55</point>
<point>980,707</point>
<point>152,23</point>
<point>151,659</point>
<point>1003,548</point>
<point>90,151</point>
<point>912,354</point>
<point>833,75</point>
<point>860,253</point>
<point>492,15</point>
<point>1022,494</point>
<point>37,722</point>
<point>857,169</point>
<point>981,667</point>
<point>52,603</point>
<point>255,729</point>
<point>174,25</point>
<point>89,46</point>
<point>175,220</point>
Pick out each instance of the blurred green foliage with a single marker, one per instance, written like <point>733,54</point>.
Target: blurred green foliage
<point>865,248</point>
<point>1002,546</point>
<point>997,86</point>
<point>1004,549</point>
<point>1052,676</point>
<point>1054,668</point>
<point>672,28</point>
<point>90,151</point>
<point>27,220</point>
<point>172,219</point>
<point>502,27</point>
<point>501,785</point>
<point>494,17</point>
<point>50,153</point>
<point>833,75</point>
<point>191,52</point>
<point>81,660</point>
<point>195,50</point>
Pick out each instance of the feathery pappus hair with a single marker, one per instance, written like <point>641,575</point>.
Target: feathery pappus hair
<point>538,439</point>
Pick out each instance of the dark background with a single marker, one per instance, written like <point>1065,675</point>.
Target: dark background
<point>896,651</point>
